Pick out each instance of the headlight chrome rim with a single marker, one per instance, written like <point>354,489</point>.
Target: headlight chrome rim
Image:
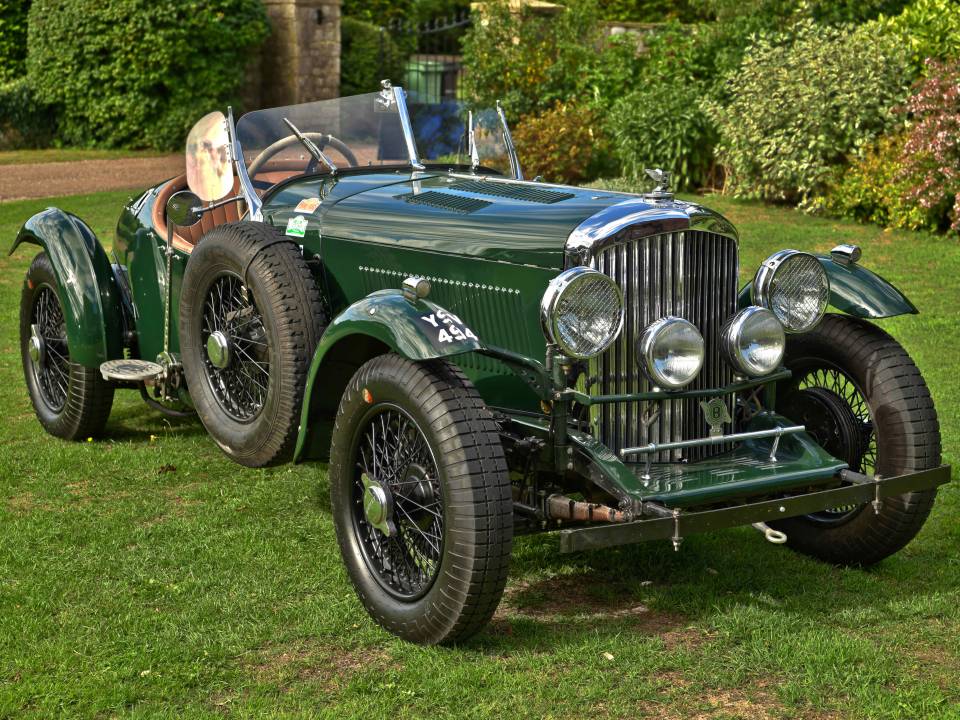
<point>735,332</point>
<point>556,291</point>
<point>648,342</point>
<point>763,292</point>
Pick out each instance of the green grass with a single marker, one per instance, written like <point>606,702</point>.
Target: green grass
<point>17,157</point>
<point>144,575</point>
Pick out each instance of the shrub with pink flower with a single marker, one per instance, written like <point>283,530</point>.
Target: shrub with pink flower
<point>931,154</point>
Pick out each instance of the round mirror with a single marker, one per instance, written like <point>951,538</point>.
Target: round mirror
<point>183,209</point>
<point>209,172</point>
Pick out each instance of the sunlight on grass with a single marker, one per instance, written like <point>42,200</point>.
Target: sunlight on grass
<point>146,575</point>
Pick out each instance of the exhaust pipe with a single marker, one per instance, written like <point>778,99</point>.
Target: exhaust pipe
<point>560,507</point>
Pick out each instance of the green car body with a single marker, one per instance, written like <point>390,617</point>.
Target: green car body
<point>489,245</point>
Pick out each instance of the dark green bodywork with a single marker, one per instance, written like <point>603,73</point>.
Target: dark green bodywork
<point>88,291</point>
<point>489,251</point>
<point>856,291</point>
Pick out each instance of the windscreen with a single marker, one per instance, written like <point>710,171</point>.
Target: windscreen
<point>441,135</point>
<point>358,131</point>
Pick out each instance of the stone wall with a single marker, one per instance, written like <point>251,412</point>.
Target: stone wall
<point>300,61</point>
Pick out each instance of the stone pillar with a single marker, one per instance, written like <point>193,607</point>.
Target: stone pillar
<point>300,61</point>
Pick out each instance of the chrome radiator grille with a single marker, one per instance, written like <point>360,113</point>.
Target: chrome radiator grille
<point>691,274</point>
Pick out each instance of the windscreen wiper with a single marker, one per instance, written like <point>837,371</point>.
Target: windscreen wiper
<point>311,147</point>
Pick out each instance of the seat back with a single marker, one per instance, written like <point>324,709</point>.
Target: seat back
<point>184,238</point>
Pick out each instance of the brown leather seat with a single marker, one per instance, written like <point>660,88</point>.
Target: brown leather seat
<point>184,238</point>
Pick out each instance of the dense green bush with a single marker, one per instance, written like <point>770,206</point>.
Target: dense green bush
<point>931,153</point>
<point>874,189</point>
<point>367,56</point>
<point>24,122</point>
<point>661,125</point>
<point>13,38</point>
<point>929,28</point>
<point>801,102</point>
<point>565,144</point>
<point>138,73</point>
<point>530,62</point>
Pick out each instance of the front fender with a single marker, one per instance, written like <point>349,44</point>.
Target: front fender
<point>87,288</point>
<point>856,291</point>
<point>384,321</point>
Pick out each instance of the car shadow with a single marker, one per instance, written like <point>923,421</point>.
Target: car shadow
<point>672,598</point>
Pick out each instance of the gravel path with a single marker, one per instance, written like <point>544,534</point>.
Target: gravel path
<point>20,182</point>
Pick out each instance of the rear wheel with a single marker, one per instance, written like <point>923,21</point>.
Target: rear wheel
<point>250,319</point>
<point>863,399</point>
<point>71,401</point>
<point>421,499</point>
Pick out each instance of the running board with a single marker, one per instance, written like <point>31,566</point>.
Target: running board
<point>125,370</point>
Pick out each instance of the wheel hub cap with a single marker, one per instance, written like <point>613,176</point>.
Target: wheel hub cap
<point>378,506</point>
<point>35,346</point>
<point>218,349</point>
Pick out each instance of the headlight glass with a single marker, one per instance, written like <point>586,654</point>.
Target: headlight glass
<point>670,352</point>
<point>582,312</point>
<point>794,286</point>
<point>753,341</point>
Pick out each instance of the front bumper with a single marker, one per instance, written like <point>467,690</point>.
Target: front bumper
<point>675,524</point>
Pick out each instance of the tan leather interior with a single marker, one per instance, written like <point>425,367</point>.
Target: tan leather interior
<point>184,238</point>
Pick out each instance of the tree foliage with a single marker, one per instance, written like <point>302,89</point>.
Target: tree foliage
<point>138,73</point>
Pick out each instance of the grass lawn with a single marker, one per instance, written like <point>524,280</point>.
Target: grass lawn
<point>17,157</point>
<point>144,575</point>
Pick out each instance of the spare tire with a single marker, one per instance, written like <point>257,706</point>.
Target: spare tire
<point>250,319</point>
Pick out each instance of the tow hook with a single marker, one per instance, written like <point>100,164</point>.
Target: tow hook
<point>773,536</point>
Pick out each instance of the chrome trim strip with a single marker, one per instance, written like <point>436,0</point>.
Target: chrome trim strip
<point>508,141</point>
<point>250,197</point>
<point>401,97</point>
<point>713,440</point>
<point>648,218</point>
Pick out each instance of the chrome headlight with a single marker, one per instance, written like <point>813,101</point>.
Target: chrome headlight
<point>582,312</point>
<point>753,341</point>
<point>795,287</point>
<point>670,352</point>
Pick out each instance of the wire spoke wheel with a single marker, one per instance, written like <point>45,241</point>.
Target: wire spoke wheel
<point>51,360</point>
<point>833,407</point>
<point>237,361</point>
<point>398,503</point>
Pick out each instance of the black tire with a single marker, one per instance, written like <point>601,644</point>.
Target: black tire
<point>860,365</point>
<point>71,401</point>
<point>454,586</point>
<point>265,301</point>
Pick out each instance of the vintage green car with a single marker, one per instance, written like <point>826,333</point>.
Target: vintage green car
<point>476,356</point>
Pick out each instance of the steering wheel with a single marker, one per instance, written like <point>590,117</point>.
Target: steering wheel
<point>319,139</point>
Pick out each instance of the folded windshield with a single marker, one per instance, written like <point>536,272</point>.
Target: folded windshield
<point>442,136</point>
<point>358,131</point>
<point>371,130</point>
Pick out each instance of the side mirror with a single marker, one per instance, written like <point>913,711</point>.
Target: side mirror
<point>183,209</point>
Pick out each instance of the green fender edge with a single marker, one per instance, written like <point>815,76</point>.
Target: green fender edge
<point>384,321</point>
<point>87,288</point>
<point>856,291</point>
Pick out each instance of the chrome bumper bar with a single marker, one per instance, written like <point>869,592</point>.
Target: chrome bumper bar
<point>672,524</point>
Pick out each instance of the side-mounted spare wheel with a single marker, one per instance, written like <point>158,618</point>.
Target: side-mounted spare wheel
<point>71,401</point>
<point>421,499</point>
<point>250,318</point>
<point>861,396</point>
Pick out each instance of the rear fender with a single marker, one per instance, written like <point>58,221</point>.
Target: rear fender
<point>856,291</point>
<point>382,322</point>
<point>88,291</point>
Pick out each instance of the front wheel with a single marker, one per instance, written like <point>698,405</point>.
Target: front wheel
<point>71,401</point>
<point>863,399</point>
<point>421,499</point>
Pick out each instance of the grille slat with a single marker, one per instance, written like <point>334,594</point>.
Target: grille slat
<point>691,274</point>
